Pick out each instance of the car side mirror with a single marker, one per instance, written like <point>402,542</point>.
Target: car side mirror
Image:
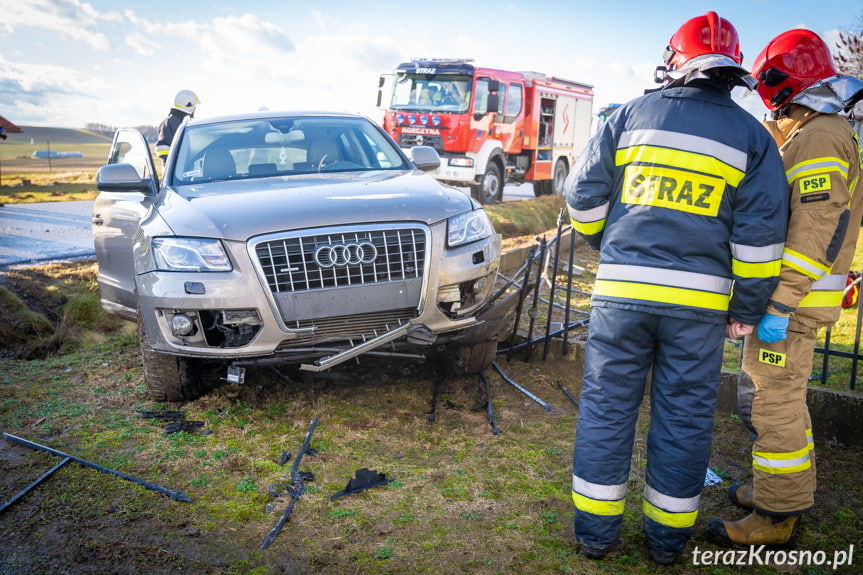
<point>121,178</point>
<point>425,158</point>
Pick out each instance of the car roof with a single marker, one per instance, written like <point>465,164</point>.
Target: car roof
<point>271,114</point>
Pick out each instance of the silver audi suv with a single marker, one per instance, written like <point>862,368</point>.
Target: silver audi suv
<point>303,239</point>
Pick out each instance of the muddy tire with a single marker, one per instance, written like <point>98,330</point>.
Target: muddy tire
<point>475,358</point>
<point>490,189</point>
<point>169,377</point>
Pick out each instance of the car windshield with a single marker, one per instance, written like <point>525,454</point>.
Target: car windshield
<point>285,146</point>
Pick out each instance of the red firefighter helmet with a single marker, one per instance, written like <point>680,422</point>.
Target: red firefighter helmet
<point>703,35</point>
<point>790,63</point>
<point>852,290</point>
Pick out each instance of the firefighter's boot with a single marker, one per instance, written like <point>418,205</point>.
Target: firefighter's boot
<point>754,529</point>
<point>742,495</point>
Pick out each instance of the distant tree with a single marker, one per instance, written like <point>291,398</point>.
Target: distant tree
<point>103,129</point>
<point>150,133</point>
<point>849,53</point>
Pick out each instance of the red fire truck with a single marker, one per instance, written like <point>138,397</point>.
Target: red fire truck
<point>489,126</point>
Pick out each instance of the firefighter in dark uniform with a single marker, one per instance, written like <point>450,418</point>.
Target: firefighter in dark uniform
<point>185,103</point>
<point>822,158</point>
<point>683,193</point>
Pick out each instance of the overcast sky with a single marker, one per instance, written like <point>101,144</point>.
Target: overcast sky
<point>66,63</point>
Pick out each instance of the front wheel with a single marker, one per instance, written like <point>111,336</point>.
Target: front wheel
<point>475,358</point>
<point>490,188</point>
<point>169,377</point>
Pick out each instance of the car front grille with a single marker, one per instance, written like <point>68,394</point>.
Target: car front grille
<point>354,328</point>
<point>342,259</point>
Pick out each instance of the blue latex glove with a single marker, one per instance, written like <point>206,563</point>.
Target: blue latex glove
<point>772,328</point>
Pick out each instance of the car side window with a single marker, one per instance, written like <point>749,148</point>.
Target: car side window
<point>131,148</point>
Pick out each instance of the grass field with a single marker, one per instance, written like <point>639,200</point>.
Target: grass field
<point>16,152</point>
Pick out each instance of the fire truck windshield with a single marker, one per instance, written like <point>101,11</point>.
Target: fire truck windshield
<point>432,93</point>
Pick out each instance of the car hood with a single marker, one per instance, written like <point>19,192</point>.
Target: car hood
<point>241,209</point>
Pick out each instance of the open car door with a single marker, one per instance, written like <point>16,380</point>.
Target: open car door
<point>127,186</point>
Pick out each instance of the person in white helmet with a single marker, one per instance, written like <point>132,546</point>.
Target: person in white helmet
<point>185,103</point>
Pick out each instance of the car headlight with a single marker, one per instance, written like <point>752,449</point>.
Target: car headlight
<point>468,227</point>
<point>190,255</point>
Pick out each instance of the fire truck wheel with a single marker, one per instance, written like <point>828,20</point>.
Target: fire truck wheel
<point>559,177</point>
<point>541,188</point>
<point>489,190</point>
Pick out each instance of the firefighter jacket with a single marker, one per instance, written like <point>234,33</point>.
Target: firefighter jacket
<point>822,160</point>
<point>167,129</point>
<point>684,194</point>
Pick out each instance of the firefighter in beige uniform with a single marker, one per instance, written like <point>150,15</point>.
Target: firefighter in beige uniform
<point>822,160</point>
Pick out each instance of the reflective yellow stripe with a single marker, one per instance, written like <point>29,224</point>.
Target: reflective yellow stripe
<point>681,141</point>
<point>810,440</point>
<point>681,159</point>
<point>782,463</point>
<point>816,166</point>
<point>669,503</point>
<point>755,270</point>
<point>600,212</point>
<point>782,470</point>
<point>831,282</point>
<point>757,254</point>
<point>589,228</point>
<point>822,299</point>
<point>597,506</point>
<point>805,265</point>
<point>676,520</point>
<point>662,294</point>
<point>665,277</point>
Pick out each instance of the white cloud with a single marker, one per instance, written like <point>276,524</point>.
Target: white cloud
<point>70,18</point>
<point>140,44</point>
<point>46,93</point>
<point>245,41</point>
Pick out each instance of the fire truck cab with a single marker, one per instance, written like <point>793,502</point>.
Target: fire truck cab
<point>489,126</point>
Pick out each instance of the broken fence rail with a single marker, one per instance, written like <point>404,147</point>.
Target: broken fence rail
<point>175,495</point>
<point>297,491</point>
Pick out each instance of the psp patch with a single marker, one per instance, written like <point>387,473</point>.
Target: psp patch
<point>818,183</point>
<point>774,358</point>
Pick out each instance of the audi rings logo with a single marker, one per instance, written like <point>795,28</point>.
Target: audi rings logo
<point>346,254</point>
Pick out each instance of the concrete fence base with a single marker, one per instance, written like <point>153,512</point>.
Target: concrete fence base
<point>836,415</point>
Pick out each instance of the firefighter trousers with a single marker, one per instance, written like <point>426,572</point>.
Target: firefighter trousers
<point>685,357</point>
<point>771,397</point>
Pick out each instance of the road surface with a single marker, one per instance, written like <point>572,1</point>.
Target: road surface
<point>45,231</point>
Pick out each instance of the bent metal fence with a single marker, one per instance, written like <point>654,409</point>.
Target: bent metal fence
<point>554,297</point>
<point>554,309</point>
